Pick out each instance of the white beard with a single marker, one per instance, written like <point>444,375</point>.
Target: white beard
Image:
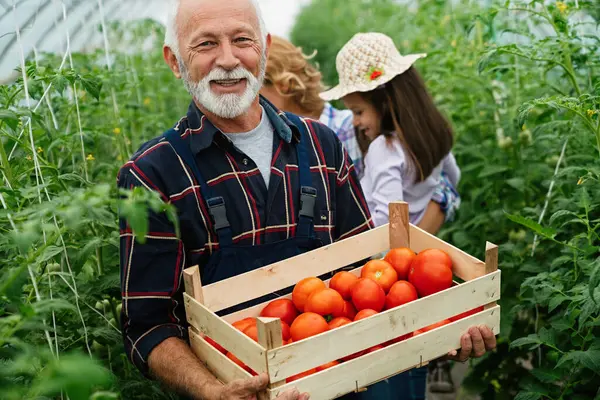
<point>229,105</point>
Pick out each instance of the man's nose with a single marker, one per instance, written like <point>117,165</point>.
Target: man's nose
<point>227,59</point>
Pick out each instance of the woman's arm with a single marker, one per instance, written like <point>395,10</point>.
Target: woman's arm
<point>433,219</point>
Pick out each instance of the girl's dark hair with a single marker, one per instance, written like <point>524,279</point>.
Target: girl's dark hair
<point>408,113</point>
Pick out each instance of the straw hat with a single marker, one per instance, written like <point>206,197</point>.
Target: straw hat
<point>367,61</point>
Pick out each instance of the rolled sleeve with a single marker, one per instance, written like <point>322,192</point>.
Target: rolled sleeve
<point>152,302</point>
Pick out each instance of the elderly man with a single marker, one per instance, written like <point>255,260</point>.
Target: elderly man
<point>251,185</point>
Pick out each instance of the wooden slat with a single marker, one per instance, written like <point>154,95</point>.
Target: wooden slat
<point>247,350</point>
<point>491,264</point>
<point>370,368</point>
<point>270,337</point>
<point>193,285</point>
<point>222,367</point>
<point>399,224</point>
<point>348,339</point>
<point>269,279</point>
<point>255,310</point>
<point>464,265</point>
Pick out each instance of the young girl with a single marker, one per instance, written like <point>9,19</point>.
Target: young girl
<point>405,139</point>
<point>406,143</point>
<point>293,84</point>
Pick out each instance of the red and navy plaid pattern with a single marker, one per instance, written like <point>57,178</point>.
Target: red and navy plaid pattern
<point>151,273</point>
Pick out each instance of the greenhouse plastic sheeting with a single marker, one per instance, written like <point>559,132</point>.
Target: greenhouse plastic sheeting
<point>43,27</point>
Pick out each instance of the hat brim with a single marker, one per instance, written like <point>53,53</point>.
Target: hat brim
<point>341,90</point>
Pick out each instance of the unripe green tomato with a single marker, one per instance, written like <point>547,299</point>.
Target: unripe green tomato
<point>53,267</point>
<point>119,308</point>
<point>505,143</point>
<point>525,137</point>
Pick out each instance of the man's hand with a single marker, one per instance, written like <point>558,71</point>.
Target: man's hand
<point>247,389</point>
<point>475,343</point>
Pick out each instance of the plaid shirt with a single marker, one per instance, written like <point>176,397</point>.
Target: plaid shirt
<point>340,121</point>
<point>151,273</point>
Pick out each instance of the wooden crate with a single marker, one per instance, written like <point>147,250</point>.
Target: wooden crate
<point>481,287</point>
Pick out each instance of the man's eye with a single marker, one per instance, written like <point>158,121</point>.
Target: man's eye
<point>243,39</point>
<point>206,44</point>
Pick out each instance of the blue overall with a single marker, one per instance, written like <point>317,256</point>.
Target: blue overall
<point>231,260</point>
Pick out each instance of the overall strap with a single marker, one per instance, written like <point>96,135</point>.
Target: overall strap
<point>216,204</point>
<point>308,193</point>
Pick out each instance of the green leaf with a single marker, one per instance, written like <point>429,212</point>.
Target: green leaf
<point>92,86</point>
<point>492,170</point>
<point>559,214</point>
<point>594,278</point>
<point>589,359</point>
<point>556,301</point>
<point>49,253</point>
<point>548,233</point>
<point>561,325</point>
<point>546,375</point>
<point>528,396</point>
<point>531,339</point>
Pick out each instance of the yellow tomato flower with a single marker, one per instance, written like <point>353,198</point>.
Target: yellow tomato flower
<point>453,44</point>
<point>147,101</point>
<point>90,157</point>
<point>117,131</point>
<point>39,150</point>
<point>591,113</point>
<point>580,181</point>
<point>561,6</point>
<point>29,158</point>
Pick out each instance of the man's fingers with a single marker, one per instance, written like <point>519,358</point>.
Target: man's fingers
<point>247,387</point>
<point>292,394</point>
<point>478,343</point>
<point>488,337</point>
<point>466,346</point>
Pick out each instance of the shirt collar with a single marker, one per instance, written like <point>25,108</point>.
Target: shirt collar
<point>203,132</point>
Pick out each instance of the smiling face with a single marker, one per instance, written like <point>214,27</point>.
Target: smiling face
<point>366,118</point>
<point>222,60</point>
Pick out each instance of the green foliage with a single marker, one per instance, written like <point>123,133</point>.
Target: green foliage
<point>516,96</point>
<point>59,237</point>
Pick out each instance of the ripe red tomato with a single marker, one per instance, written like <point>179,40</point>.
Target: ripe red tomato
<point>430,278</point>
<point>281,308</point>
<point>401,259</point>
<point>398,339</point>
<point>240,363</point>
<point>285,331</point>
<point>328,365</point>
<point>337,322</point>
<point>301,375</point>
<point>400,293</point>
<point>306,325</point>
<point>368,294</point>
<point>325,302</point>
<point>349,310</point>
<point>431,327</point>
<point>304,289</point>
<point>252,332</point>
<point>432,256</point>
<point>353,356</point>
<point>466,314</point>
<point>215,345</point>
<point>343,282</point>
<point>374,348</point>
<point>381,272</point>
<point>365,313</point>
<point>242,324</point>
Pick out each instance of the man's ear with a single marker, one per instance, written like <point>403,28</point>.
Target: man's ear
<point>268,44</point>
<point>171,61</point>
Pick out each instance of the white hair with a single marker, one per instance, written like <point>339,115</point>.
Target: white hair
<point>172,32</point>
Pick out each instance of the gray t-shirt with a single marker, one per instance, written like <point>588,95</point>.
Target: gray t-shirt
<point>257,144</point>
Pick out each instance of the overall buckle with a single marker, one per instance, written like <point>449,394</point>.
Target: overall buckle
<point>308,199</point>
<point>218,212</point>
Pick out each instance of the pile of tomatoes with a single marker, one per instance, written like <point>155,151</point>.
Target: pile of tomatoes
<point>401,277</point>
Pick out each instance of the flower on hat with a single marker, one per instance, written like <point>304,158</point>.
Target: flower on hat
<point>374,73</point>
